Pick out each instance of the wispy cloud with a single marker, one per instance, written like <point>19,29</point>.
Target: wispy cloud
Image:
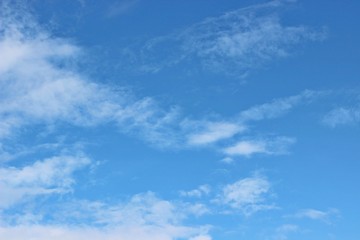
<point>40,86</point>
<point>49,176</point>
<point>278,145</point>
<point>45,89</point>
<point>319,215</point>
<point>203,133</point>
<point>246,148</point>
<point>227,160</point>
<point>215,131</point>
<point>247,195</point>
<point>141,208</point>
<point>342,116</point>
<point>198,192</point>
<point>42,232</point>
<point>233,43</point>
<point>143,216</point>
<point>282,232</point>
<point>278,107</point>
<point>121,7</point>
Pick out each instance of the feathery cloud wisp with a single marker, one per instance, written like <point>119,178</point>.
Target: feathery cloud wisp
<point>233,43</point>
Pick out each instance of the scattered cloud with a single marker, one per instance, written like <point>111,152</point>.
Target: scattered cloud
<point>143,208</point>
<point>143,216</point>
<point>41,85</point>
<point>44,232</point>
<point>47,89</point>
<point>247,195</point>
<point>212,132</point>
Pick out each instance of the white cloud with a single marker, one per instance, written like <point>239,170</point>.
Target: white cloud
<point>201,238</point>
<point>247,195</point>
<point>121,7</point>
<point>278,145</point>
<point>278,107</point>
<point>283,231</point>
<point>35,87</point>
<point>143,208</point>
<point>315,214</point>
<point>52,175</point>
<point>197,209</point>
<point>287,228</point>
<point>227,160</point>
<point>198,192</point>
<point>144,216</point>
<point>40,85</point>
<point>235,42</point>
<point>342,116</point>
<point>246,148</point>
<point>215,131</point>
<point>209,132</point>
<point>45,232</point>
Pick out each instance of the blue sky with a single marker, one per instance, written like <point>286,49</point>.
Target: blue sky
<point>174,120</point>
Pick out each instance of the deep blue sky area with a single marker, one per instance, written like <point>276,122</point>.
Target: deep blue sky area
<point>179,120</point>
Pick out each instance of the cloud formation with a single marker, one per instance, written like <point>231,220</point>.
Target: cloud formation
<point>49,176</point>
<point>282,232</point>
<point>213,132</point>
<point>40,85</point>
<point>121,7</point>
<point>276,146</point>
<point>234,136</point>
<point>342,116</point>
<point>247,195</point>
<point>47,90</point>
<point>41,232</point>
<point>143,216</point>
<point>202,190</point>
<point>319,215</point>
<point>233,43</point>
<point>280,106</point>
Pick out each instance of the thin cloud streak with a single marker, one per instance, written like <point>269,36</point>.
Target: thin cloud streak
<point>315,214</point>
<point>214,132</point>
<point>275,146</point>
